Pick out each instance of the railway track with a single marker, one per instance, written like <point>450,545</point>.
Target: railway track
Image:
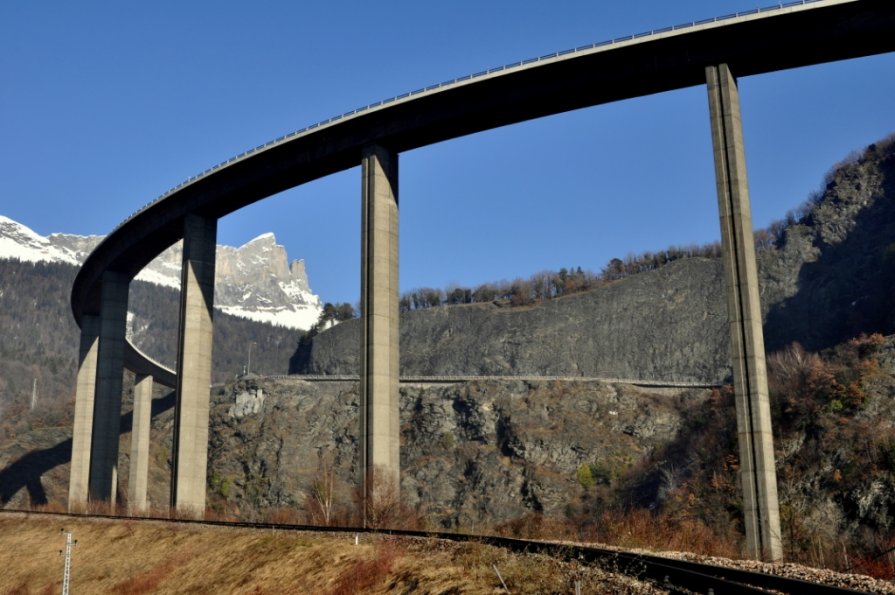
<point>677,576</point>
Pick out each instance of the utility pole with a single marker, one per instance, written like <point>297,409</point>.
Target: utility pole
<point>66,574</point>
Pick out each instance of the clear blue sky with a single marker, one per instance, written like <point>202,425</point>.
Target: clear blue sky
<point>105,105</point>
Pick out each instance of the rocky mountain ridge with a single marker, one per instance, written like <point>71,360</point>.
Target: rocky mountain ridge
<point>254,281</point>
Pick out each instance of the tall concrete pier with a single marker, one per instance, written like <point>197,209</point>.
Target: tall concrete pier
<point>107,405</point>
<point>379,423</point>
<point>82,430</point>
<point>139,469</point>
<point>194,366</point>
<point>757,473</point>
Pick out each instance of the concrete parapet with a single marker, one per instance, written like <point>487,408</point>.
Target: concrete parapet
<point>194,366</point>
<point>756,448</point>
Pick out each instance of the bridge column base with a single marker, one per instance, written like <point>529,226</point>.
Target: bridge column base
<point>756,446</point>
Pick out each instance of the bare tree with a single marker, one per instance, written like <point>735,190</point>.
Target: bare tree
<point>322,496</point>
<point>379,501</point>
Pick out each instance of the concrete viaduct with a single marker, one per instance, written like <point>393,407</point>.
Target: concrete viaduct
<point>712,52</point>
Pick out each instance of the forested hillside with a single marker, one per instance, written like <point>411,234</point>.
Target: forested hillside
<point>39,341</point>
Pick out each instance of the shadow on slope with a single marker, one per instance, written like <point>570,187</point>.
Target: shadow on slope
<point>27,470</point>
<point>849,289</point>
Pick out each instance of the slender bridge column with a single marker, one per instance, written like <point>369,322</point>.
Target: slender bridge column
<point>380,427</point>
<point>757,472</point>
<point>194,366</point>
<point>139,471</point>
<point>109,372</point>
<point>82,430</point>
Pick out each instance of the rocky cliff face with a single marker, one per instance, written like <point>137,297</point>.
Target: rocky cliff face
<point>261,285</point>
<point>837,261</point>
<point>668,324</point>
<point>472,453</point>
<point>254,281</point>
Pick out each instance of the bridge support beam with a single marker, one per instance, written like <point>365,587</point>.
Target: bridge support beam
<point>139,469</point>
<point>380,435</point>
<point>194,366</point>
<point>107,406</point>
<point>756,447</point>
<point>82,429</point>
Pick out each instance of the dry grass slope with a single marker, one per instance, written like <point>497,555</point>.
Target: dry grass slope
<point>153,557</point>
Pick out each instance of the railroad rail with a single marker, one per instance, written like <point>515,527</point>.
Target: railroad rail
<point>677,576</point>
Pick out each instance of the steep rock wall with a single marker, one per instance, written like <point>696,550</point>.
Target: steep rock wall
<point>668,324</point>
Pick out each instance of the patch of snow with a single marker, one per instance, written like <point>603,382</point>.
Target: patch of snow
<point>129,326</point>
<point>296,292</point>
<point>301,319</point>
<point>9,225</point>
<point>159,278</point>
<point>264,236</point>
<point>41,252</point>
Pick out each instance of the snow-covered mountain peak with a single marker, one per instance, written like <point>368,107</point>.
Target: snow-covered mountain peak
<point>15,230</point>
<point>20,242</point>
<point>253,281</point>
